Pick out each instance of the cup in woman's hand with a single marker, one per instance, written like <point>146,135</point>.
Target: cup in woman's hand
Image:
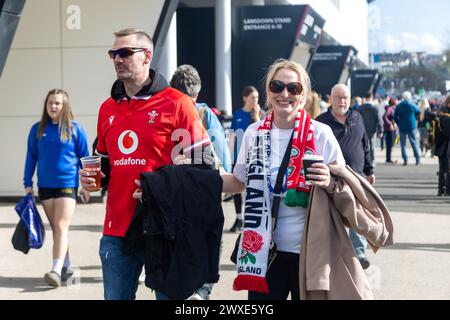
<point>308,160</point>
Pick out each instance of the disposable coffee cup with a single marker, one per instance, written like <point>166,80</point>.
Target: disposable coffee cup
<point>93,164</point>
<point>308,160</point>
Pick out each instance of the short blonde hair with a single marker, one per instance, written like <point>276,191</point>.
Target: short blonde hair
<point>141,35</point>
<point>298,69</point>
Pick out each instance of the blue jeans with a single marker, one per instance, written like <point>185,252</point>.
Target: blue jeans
<point>359,243</point>
<point>411,134</point>
<point>121,272</point>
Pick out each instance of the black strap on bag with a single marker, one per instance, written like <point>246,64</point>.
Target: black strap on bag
<point>278,188</point>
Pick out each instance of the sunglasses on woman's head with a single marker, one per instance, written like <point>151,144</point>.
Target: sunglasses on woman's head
<point>124,52</point>
<point>277,86</point>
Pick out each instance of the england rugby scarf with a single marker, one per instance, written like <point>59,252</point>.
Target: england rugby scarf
<point>256,237</point>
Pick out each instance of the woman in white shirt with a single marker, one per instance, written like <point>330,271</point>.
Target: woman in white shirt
<point>263,148</point>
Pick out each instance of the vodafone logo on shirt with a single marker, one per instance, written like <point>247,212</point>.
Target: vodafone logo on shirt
<point>128,142</point>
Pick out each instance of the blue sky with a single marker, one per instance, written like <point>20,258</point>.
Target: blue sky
<point>413,25</point>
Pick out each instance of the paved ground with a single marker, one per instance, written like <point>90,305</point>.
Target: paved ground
<point>416,267</point>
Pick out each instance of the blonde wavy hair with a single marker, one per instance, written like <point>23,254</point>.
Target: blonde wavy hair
<point>298,69</point>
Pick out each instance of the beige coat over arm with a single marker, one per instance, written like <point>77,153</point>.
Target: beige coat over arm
<point>329,268</point>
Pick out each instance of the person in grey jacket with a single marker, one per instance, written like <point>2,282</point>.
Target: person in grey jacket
<point>405,116</point>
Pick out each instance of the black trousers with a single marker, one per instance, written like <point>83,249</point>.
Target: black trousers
<point>282,278</point>
<point>444,175</point>
<point>237,198</point>
<point>389,135</point>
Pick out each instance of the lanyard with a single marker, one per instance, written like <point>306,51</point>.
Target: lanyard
<point>278,188</point>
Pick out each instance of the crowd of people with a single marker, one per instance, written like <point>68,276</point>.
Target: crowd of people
<point>423,122</point>
<point>259,161</point>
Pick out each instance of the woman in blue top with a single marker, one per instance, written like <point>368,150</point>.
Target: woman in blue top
<point>242,118</point>
<point>55,145</point>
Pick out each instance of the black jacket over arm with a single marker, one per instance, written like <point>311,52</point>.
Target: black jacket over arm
<point>180,227</point>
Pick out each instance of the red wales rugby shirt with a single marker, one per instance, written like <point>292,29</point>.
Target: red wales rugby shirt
<point>137,135</point>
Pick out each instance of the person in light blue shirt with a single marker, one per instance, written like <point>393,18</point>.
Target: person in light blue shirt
<point>55,146</point>
<point>405,116</point>
<point>216,133</point>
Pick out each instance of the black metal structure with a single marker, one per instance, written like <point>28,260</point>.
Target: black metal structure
<point>331,65</point>
<point>262,34</point>
<point>159,36</point>
<point>364,81</point>
<point>195,46</point>
<point>10,11</point>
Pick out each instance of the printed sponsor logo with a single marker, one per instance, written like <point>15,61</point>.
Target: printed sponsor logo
<point>130,162</point>
<point>128,142</point>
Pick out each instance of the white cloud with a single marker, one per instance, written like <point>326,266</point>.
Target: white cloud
<point>388,20</point>
<point>409,37</point>
<point>410,42</point>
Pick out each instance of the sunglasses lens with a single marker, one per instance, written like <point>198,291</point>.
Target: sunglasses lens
<point>294,88</point>
<point>122,52</point>
<point>276,86</point>
<point>125,52</point>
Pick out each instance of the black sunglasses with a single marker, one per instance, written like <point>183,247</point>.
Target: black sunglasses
<point>277,86</point>
<point>124,52</point>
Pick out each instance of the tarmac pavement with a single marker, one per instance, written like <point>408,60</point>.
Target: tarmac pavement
<point>416,267</point>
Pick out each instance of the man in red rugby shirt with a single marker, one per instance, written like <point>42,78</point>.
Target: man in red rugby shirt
<point>139,129</point>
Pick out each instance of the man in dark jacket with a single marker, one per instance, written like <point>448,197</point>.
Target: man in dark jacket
<point>405,116</point>
<point>372,122</point>
<point>348,128</point>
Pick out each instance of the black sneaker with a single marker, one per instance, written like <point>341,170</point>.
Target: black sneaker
<point>237,226</point>
<point>365,263</point>
<point>66,274</point>
<point>53,279</point>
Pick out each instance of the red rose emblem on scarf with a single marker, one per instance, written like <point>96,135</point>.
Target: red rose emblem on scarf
<point>252,242</point>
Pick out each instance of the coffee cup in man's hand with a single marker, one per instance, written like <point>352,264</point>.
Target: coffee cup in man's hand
<point>308,160</point>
